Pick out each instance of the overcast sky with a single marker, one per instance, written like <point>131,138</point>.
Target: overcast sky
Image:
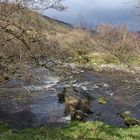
<point>97,11</point>
<point>98,3</point>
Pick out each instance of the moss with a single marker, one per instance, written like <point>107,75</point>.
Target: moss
<point>126,114</point>
<point>102,100</point>
<point>134,60</point>
<point>100,58</point>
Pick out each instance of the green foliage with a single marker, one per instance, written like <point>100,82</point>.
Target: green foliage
<point>134,60</point>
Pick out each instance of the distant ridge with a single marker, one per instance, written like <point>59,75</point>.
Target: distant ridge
<point>58,21</point>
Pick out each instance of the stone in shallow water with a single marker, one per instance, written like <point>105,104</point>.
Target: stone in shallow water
<point>128,120</point>
<point>126,114</point>
<point>64,119</point>
<point>102,100</point>
<point>105,85</point>
<point>79,115</point>
<point>131,121</point>
<point>61,97</point>
<point>76,103</point>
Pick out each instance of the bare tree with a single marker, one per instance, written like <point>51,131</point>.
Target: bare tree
<point>44,4</point>
<point>38,4</point>
<point>7,10</point>
<point>16,37</point>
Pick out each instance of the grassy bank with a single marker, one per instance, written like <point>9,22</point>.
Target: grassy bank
<point>74,131</point>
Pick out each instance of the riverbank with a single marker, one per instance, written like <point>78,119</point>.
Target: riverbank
<point>74,131</point>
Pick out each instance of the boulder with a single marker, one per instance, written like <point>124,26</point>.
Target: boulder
<point>76,103</point>
<point>128,120</point>
<point>79,115</point>
<point>84,106</point>
<point>131,121</point>
<point>61,97</point>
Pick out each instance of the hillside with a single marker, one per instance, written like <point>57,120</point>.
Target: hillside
<point>28,37</point>
<point>49,68</point>
<point>24,36</point>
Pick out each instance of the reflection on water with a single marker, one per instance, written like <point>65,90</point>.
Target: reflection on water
<point>89,13</point>
<point>32,104</point>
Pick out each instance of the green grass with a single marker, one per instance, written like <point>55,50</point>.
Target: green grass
<point>134,60</point>
<point>100,58</point>
<point>74,131</point>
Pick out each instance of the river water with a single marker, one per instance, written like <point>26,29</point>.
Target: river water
<point>89,13</point>
<point>34,103</point>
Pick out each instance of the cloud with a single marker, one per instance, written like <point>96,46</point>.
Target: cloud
<point>97,3</point>
<point>97,11</point>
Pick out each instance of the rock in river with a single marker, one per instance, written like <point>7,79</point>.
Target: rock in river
<point>76,103</point>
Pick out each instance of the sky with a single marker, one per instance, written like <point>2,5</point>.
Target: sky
<point>94,12</point>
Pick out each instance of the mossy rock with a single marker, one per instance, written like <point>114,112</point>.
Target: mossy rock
<point>71,103</point>
<point>6,77</point>
<point>79,115</point>
<point>72,100</point>
<point>102,100</point>
<point>84,106</point>
<point>126,114</point>
<point>61,97</point>
<point>131,121</point>
<point>70,110</point>
<point>1,78</point>
<point>74,103</point>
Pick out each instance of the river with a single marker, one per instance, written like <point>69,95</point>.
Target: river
<point>34,103</point>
